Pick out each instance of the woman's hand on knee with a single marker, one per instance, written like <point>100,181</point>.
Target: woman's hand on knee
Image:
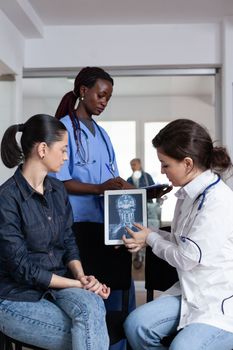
<point>85,280</point>
<point>93,285</point>
<point>104,292</point>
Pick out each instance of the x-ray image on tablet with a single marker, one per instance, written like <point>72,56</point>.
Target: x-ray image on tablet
<point>122,209</point>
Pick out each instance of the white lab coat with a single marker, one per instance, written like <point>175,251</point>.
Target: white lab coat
<point>200,246</point>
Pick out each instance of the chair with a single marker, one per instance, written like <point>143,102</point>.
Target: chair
<point>109,265</point>
<point>159,275</point>
<point>6,343</point>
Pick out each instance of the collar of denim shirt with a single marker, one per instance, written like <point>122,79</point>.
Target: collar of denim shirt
<point>26,189</point>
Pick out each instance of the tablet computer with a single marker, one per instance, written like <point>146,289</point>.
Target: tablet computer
<point>122,208</point>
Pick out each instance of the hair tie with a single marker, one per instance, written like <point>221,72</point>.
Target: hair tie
<point>21,127</point>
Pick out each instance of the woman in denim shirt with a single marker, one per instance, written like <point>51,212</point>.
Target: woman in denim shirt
<point>45,298</point>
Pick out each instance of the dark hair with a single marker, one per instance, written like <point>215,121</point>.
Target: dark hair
<point>87,77</point>
<point>185,138</point>
<point>39,128</point>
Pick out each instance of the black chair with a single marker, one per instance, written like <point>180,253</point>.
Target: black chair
<point>8,343</point>
<point>109,265</point>
<point>159,275</point>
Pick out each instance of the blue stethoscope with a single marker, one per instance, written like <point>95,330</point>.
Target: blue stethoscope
<point>200,197</point>
<point>203,194</point>
<point>84,155</point>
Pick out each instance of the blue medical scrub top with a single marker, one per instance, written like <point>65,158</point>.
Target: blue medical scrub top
<point>91,164</point>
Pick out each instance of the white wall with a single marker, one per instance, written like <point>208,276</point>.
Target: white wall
<point>227,81</point>
<point>178,44</point>
<point>7,90</point>
<point>12,59</point>
<point>12,45</point>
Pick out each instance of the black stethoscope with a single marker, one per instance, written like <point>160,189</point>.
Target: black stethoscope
<point>84,155</point>
<point>201,196</point>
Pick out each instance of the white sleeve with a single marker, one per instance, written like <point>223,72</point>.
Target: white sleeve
<point>202,238</point>
<point>170,252</point>
<point>164,234</point>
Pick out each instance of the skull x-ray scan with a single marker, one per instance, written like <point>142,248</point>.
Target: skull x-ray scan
<point>123,209</point>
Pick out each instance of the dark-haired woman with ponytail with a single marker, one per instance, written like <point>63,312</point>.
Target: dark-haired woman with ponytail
<point>200,247</point>
<point>91,168</point>
<point>46,300</point>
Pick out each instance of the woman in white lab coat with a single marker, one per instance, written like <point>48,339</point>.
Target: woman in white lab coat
<point>200,247</point>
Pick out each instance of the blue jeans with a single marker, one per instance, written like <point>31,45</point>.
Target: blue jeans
<point>75,320</point>
<point>147,325</point>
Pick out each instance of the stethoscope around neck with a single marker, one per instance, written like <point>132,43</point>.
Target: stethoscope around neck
<point>200,197</point>
<point>203,194</point>
<point>84,155</point>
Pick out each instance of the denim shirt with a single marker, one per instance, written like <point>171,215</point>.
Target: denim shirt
<point>36,239</point>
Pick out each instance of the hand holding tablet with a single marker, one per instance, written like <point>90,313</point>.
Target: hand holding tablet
<point>157,191</point>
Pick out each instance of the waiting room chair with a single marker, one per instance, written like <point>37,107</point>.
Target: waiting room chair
<point>8,343</point>
<point>109,265</point>
<point>159,275</point>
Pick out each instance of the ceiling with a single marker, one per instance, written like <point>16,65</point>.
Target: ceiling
<point>31,16</point>
<point>89,12</point>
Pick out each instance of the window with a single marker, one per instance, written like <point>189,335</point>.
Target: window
<point>123,137</point>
